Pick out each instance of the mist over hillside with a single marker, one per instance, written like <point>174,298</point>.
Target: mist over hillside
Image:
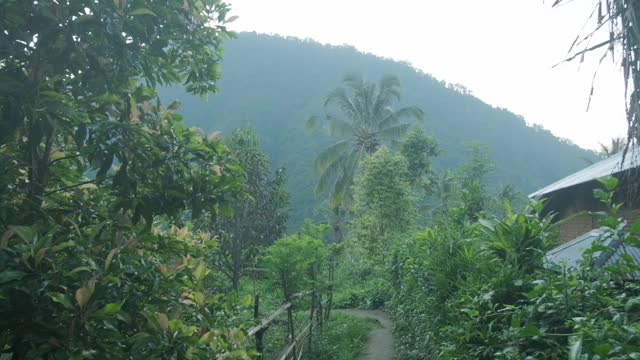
<point>273,84</point>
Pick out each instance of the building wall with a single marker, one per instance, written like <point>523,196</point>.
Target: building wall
<point>567,202</point>
<point>584,223</point>
<point>577,226</point>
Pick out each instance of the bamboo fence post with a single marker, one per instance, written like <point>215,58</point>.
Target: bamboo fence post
<point>330,295</point>
<point>260,334</point>
<point>313,308</point>
<point>292,334</point>
<point>320,314</point>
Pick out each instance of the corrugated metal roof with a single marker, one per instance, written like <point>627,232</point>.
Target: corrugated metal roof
<point>606,167</point>
<point>570,253</point>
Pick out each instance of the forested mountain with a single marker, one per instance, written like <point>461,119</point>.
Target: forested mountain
<point>273,84</point>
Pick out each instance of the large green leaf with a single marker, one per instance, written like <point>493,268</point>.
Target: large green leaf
<point>11,275</point>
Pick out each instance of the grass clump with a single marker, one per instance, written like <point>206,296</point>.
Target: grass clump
<point>342,338</point>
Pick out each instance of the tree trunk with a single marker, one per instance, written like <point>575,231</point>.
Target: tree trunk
<point>38,170</point>
<point>236,270</point>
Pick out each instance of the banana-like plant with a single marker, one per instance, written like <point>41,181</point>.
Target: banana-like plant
<point>520,239</point>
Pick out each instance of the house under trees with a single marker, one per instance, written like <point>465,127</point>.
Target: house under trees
<point>573,201</point>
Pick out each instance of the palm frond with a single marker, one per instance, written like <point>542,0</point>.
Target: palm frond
<point>338,127</point>
<point>393,117</point>
<point>330,174</point>
<point>359,100</point>
<point>393,132</point>
<point>331,154</point>
<point>340,98</point>
<point>353,80</point>
<point>389,88</point>
<point>343,184</point>
<point>311,123</point>
<point>367,97</point>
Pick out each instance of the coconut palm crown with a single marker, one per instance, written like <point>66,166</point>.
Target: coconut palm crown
<point>367,120</point>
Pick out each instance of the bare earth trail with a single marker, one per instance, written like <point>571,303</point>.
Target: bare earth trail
<point>379,344</point>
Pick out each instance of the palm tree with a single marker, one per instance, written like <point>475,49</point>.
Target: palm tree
<point>367,121</point>
<point>617,144</point>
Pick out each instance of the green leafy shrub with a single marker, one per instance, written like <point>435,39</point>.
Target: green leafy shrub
<point>491,297</point>
<point>103,182</point>
<point>113,289</point>
<point>295,263</point>
<point>373,295</point>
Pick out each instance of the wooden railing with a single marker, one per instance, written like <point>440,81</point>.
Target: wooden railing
<point>319,312</point>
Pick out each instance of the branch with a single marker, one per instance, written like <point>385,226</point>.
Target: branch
<point>73,186</point>
<point>63,158</point>
<point>594,47</point>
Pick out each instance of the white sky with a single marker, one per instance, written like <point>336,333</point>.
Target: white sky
<point>502,50</point>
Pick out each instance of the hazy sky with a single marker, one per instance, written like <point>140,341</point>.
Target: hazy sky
<point>502,50</point>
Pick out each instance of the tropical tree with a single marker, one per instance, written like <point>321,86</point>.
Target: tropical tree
<point>100,183</point>
<point>258,220</point>
<point>419,148</point>
<point>617,144</point>
<point>367,121</point>
<point>78,80</point>
<point>445,185</point>
<point>294,262</point>
<point>384,205</point>
<point>472,175</point>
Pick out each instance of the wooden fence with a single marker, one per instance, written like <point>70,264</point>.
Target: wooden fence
<point>319,312</point>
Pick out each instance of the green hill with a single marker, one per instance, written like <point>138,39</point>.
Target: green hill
<point>273,84</point>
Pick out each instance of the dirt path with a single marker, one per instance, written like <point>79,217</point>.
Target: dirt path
<point>379,345</point>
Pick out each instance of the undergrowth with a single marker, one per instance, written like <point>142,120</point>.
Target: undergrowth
<point>343,338</point>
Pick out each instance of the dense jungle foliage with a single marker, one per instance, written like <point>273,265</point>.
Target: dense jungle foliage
<point>475,285</point>
<point>125,233</point>
<point>492,298</point>
<point>275,93</point>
